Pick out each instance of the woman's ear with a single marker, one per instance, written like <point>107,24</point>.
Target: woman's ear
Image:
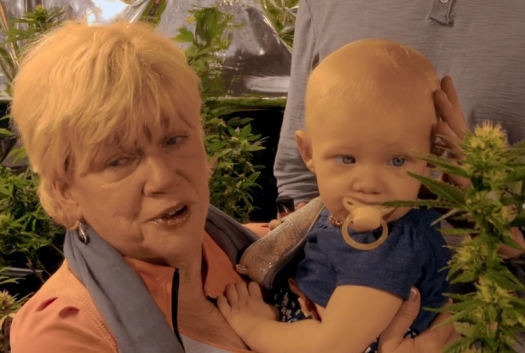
<point>304,145</point>
<point>65,197</point>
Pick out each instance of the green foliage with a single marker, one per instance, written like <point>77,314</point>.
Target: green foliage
<point>26,231</point>
<point>153,11</point>
<point>25,228</point>
<point>230,143</point>
<point>493,315</point>
<point>210,38</point>
<point>21,32</point>
<point>9,306</point>
<point>282,16</point>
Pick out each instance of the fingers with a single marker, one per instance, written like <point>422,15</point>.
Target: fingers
<point>260,229</point>
<point>450,138</point>
<point>435,340</point>
<point>242,291</point>
<point>438,336</point>
<point>432,340</point>
<point>510,252</point>
<point>447,86</point>
<point>448,108</point>
<point>224,306</point>
<point>274,223</point>
<point>237,293</point>
<point>443,333</point>
<point>394,334</point>
<point>442,317</point>
<point>300,204</point>
<point>450,142</point>
<point>231,293</point>
<point>254,291</point>
<point>236,296</point>
<point>517,236</point>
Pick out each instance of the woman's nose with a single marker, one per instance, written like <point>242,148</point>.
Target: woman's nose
<point>159,174</point>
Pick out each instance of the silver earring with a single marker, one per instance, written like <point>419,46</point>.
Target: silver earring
<point>82,233</point>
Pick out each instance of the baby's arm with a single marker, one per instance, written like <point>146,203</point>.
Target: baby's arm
<point>355,316</point>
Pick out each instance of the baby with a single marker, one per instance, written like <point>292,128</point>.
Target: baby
<point>369,112</point>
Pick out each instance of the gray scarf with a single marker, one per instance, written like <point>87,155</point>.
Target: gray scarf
<point>119,294</point>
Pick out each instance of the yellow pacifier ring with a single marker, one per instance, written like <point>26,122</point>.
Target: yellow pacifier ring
<point>362,246</point>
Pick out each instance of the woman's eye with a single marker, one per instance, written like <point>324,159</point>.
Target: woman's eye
<point>398,161</point>
<point>176,140</point>
<point>346,160</point>
<point>119,162</point>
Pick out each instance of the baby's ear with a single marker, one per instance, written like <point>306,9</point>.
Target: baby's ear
<point>305,148</point>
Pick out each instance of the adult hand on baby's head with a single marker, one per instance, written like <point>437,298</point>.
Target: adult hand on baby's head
<point>449,110</point>
<point>452,125</point>
<point>433,340</point>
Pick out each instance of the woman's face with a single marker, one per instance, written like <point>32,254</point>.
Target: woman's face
<point>149,201</point>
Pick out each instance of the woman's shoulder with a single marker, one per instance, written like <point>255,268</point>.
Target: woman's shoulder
<point>60,317</point>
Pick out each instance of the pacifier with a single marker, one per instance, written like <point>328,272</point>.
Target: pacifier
<point>364,218</point>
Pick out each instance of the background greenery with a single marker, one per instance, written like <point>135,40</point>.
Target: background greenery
<point>30,239</point>
<point>490,317</point>
<point>229,143</point>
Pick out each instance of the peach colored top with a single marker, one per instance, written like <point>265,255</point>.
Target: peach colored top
<point>61,317</point>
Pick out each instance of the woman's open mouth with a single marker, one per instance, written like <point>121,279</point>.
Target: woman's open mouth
<point>173,218</point>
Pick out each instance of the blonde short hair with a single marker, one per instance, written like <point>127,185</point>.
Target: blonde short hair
<point>80,87</point>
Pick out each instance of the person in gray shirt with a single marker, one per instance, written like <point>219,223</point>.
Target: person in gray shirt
<point>480,44</point>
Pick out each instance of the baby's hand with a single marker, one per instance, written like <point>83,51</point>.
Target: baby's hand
<point>244,308</point>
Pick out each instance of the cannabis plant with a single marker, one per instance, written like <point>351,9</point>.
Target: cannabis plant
<point>230,143</point>
<point>153,11</point>
<point>22,31</point>
<point>26,231</point>
<point>281,14</point>
<point>9,306</point>
<point>490,318</point>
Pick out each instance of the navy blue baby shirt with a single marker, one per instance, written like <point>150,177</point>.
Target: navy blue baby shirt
<point>413,254</point>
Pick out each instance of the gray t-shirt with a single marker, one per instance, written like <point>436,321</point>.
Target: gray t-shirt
<point>481,44</point>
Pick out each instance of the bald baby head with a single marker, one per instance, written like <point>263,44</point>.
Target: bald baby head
<point>370,73</point>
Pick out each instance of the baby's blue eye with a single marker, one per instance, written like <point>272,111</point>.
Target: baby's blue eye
<point>398,161</point>
<point>345,160</point>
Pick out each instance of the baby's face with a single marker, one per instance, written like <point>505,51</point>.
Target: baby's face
<point>364,151</point>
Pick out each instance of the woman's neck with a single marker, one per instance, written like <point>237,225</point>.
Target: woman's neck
<point>194,308</point>
<point>191,286</point>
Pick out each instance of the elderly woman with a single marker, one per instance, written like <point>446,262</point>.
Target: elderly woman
<point>109,116</point>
